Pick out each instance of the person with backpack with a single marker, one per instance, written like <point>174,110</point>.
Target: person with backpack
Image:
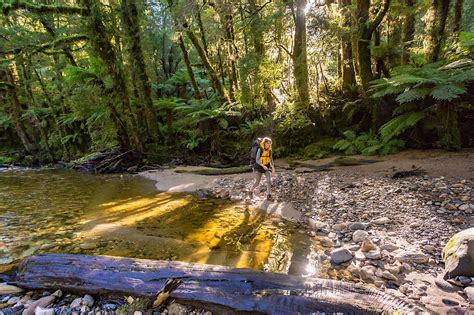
<point>263,161</point>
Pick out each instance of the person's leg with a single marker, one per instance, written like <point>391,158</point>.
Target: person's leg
<point>268,176</point>
<point>258,177</point>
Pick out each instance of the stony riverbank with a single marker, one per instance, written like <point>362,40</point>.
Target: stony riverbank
<point>387,232</point>
<point>14,301</point>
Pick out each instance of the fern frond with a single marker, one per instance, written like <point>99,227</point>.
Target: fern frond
<point>447,92</point>
<point>413,95</point>
<point>399,124</point>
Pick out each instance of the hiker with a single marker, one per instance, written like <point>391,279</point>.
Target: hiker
<point>263,162</point>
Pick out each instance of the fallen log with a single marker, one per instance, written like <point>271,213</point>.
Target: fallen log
<point>218,288</point>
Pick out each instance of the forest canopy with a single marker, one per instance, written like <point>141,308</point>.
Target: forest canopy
<point>199,80</point>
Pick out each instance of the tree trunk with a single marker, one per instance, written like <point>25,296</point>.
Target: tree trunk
<point>448,129</point>
<point>131,23</point>
<point>189,68</point>
<point>436,28</point>
<point>366,28</point>
<point>216,84</point>
<point>259,49</point>
<point>300,59</point>
<point>347,62</point>
<point>458,16</point>
<point>223,290</point>
<point>15,111</point>
<point>408,30</point>
<point>103,48</point>
<point>25,81</point>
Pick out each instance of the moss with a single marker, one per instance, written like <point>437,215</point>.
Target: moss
<point>347,161</point>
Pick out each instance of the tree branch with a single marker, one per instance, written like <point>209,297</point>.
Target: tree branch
<point>380,15</point>
<point>53,44</point>
<point>42,8</point>
<point>286,50</point>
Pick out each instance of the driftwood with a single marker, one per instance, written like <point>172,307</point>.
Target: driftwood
<point>214,287</point>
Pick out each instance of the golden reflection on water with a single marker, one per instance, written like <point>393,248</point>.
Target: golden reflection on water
<point>122,215</point>
<point>51,211</point>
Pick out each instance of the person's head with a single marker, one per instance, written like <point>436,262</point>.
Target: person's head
<point>267,143</point>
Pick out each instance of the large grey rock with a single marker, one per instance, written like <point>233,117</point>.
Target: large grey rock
<point>340,255</point>
<point>412,257</point>
<point>458,255</point>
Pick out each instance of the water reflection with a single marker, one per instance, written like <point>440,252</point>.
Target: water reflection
<point>122,215</point>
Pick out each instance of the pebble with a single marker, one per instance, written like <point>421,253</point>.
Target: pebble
<point>340,255</point>
<point>374,254</point>
<point>412,257</point>
<point>88,246</point>
<point>469,291</point>
<point>445,285</point>
<point>76,303</point>
<point>367,246</point>
<point>389,276</point>
<point>359,236</point>
<point>87,300</point>
<point>358,226</point>
<point>465,280</point>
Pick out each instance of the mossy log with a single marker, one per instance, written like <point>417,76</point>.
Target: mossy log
<point>218,288</point>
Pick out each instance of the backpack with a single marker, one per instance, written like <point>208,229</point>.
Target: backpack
<point>254,150</point>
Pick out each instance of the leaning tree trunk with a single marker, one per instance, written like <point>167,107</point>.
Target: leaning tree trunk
<point>103,48</point>
<point>408,30</point>
<point>189,68</point>
<point>15,111</point>
<point>131,23</point>
<point>436,28</point>
<point>300,58</point>
<point>216,84</point>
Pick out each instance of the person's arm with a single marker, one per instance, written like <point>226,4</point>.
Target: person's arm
<point>271,162</point>
<point>257,159</point>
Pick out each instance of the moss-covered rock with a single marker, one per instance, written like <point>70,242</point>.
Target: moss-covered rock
<point>458,255</point>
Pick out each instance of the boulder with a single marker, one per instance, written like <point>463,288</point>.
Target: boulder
<point>458,255</point>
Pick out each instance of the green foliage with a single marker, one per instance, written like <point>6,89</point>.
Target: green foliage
<point>367,144</point>
<point>441,83</point>
<point>317,150</point>
<point>399,124</point>
<point>7,159</point>
<point>5,121</point>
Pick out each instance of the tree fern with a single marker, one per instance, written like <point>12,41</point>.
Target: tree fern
<point>399,124</point>
<point>447,92</point>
